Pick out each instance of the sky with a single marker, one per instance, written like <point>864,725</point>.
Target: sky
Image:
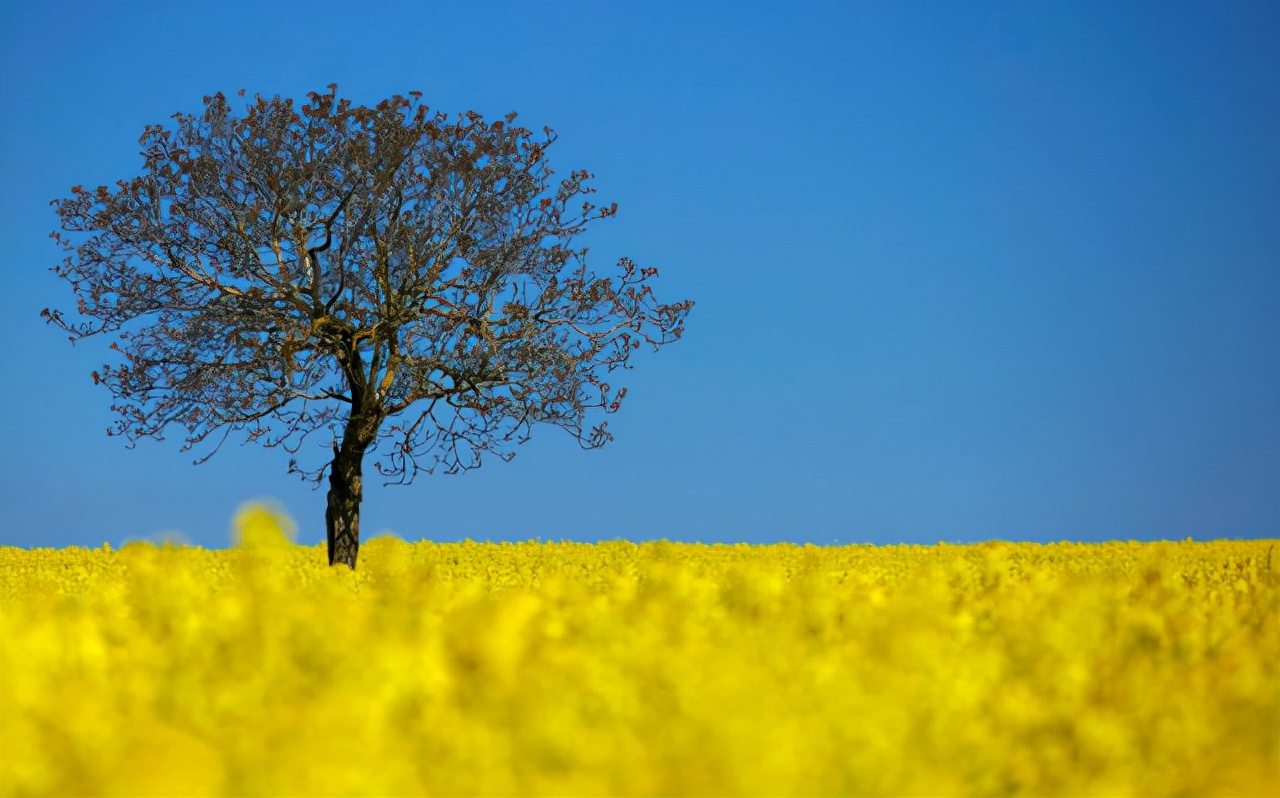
<point>962,271</point>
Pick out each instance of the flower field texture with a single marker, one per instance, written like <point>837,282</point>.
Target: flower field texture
<point>648,669</point>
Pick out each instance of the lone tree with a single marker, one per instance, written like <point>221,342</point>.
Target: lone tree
<point>400,283</point>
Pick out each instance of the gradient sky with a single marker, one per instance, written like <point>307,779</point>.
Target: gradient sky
<point>963,271</point>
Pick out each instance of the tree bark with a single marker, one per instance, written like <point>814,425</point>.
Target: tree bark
<point>342,517</point>
<point>346,490</point>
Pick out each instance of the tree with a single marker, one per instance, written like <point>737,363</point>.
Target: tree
<point>399,283</point>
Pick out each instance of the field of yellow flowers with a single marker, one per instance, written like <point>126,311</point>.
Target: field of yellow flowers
<point>659,668</point>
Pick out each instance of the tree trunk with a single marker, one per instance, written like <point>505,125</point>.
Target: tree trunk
<point>346,489</point>
<point>346,486</point>
<point>342,517</point>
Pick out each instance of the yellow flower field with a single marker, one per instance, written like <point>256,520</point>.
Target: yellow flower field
<point>651,669</point>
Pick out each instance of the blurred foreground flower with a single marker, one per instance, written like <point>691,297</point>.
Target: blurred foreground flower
<point>259,525</point>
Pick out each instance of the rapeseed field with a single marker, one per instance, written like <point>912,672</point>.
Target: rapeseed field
<point>651,669</point>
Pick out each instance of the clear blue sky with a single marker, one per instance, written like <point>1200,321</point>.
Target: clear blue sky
<point>963,270</point>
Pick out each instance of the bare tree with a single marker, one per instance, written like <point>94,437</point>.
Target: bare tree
<point>400,283</point>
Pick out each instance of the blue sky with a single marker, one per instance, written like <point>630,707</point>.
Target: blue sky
<point>963,271</point>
